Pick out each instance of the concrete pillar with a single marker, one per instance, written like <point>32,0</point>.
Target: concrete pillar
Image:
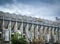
<point>15,27</point>
<point>53,31</point>
<point>44,34</point>
<point>27,31</point>
<point>49,30</point>
<point>36,32</point>
<point>56,34</point>
<point>45,30</point>
<point>21,28</point>
<point>32,31</point>
<point>9,28</point>
<point>41,29</point>
<point>41,32</point>
<point>52,35</point>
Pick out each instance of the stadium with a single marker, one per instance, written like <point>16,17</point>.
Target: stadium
<point>31,27</point>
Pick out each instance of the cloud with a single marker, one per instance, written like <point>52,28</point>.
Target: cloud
<point>43,9</point>
<point>3,2</point>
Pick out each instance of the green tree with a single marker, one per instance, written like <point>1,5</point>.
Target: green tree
<point>18,39</point>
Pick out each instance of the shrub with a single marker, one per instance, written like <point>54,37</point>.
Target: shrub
<point>18,39</point>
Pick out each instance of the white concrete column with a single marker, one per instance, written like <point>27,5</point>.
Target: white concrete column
<point>41,30</point>
<point>32,31</point>
<point>27,31</point>
<point>21,28</point>
<point>15,27</point>
<point>49,30</point>
<point>45,33</point>
<point>56,35</point>
<point>45,30</point>
<point>9,28</point>
<point>53,30</point>
<point>36,32</point>
<point>56,31</point>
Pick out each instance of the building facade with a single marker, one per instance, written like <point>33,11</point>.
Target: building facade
<point>33,28</point>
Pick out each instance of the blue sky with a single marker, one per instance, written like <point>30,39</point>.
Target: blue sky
<point>46,9</point>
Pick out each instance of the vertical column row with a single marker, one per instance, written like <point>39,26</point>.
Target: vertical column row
<point>53,30</point>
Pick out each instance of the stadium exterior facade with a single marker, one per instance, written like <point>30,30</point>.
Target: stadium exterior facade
<point>25,24</point>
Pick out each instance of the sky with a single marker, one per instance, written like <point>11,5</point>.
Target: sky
<point>45,9</point>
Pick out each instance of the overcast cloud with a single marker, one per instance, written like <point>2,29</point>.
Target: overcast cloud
<point>46,9</point>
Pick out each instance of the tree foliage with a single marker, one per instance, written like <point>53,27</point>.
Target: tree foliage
<point>18,39</point>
